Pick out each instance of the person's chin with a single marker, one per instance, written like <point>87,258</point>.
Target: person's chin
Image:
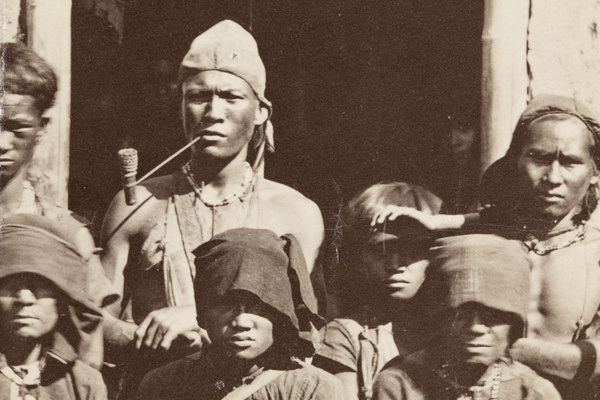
<point>477,356</point>
<point>549,210</point>
<point>27,333</point>
<point>245,354</point>
<point>400,294</point>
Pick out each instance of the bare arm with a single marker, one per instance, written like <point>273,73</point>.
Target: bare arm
<point>564,360</point>
<point>116,239</point>
<point>310,232</point>
<point>431,222</point>
<point>161,328</point>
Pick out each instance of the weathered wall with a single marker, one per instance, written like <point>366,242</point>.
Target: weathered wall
<point>9,18</point>
<point>49,35</point>
<point>504,77</point>
<point>564,49</point>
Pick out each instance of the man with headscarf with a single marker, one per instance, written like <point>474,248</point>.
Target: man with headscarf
<point>45,314</point>
<point>543,192</point>
<point>254,296</point>
<point>148,246</point>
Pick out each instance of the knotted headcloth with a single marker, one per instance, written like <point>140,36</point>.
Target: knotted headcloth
<point>259,262</point>
<point>485,269</point>
<point>547,104</point>
<point>38,245</point>
<point>501,175</point>
<point>228,47</point>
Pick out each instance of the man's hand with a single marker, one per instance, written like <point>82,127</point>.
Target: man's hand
<point>163,328</point>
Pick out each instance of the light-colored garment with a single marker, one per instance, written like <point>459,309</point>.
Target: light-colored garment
<point>359,348</point>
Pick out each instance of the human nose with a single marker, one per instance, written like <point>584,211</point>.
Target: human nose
<point>553,173</point>
<point>242,321</point>
<point>24,296</point>
<point>396,263</point>
<point>477,325</point>
<point>214,109</point>
<point>6,140</point>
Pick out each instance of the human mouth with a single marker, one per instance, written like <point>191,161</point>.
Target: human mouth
<point>551,197</point>
<point>240,341</point>
<point>211,135</point>
<point>474,346</point>
<point>396,282</point>
<point>6,161</point>
<point>23,318</point>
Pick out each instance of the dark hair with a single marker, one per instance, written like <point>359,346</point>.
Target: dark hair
<point>354,292</point>
<point>26,73</point>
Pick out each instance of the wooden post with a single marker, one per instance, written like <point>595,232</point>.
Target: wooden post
<point>9,15</point>
<point>504,80</point>
<point>49,35</point>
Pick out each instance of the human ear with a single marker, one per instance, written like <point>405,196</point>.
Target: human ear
<point>261,115</point>
<point>42,131</point>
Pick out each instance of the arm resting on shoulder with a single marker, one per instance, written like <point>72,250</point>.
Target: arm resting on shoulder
<point>571,361</point>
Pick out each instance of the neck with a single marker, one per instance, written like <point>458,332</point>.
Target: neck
<point>11,193</point>
<point>567,222</point>
<point>548,224</point>
<point>22,352</point>
<point>231,365</point>
<point>219,174</point>
<point>467,375</point>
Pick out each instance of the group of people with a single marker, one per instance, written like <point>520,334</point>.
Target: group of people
<point>202,289</point>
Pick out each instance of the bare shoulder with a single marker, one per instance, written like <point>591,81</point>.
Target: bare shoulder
<point>287,211</point>
<point>281,196</point>
<point>592,233</point>
<point>152,197</point>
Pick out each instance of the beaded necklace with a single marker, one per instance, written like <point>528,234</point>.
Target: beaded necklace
<point>472,392</point>
<point>239,194</point>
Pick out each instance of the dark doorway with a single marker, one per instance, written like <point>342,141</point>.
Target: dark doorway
<point>362,91</point>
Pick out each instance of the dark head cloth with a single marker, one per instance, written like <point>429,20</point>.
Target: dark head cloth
<point>501,175</point>
<point>259,262</point>
<point>485,269</point>
<point>38,245</point>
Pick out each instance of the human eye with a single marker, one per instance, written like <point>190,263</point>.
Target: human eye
<point>197,96</point>
<point>570,161</point>
<point>21,127</point>
<point>231,95</point>
<point>539,157</point>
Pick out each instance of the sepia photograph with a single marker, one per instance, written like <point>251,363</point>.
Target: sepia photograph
<point>273,200</point>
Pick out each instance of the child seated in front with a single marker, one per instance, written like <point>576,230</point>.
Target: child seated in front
<point>487,280</point>
<point>385,268</point>
<point>254,298</point>
<point>45,314</point>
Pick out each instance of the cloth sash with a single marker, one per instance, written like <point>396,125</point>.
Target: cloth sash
<point>192,226</point>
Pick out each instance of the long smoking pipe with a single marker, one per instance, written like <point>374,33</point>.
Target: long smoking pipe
<point>128,160</point>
